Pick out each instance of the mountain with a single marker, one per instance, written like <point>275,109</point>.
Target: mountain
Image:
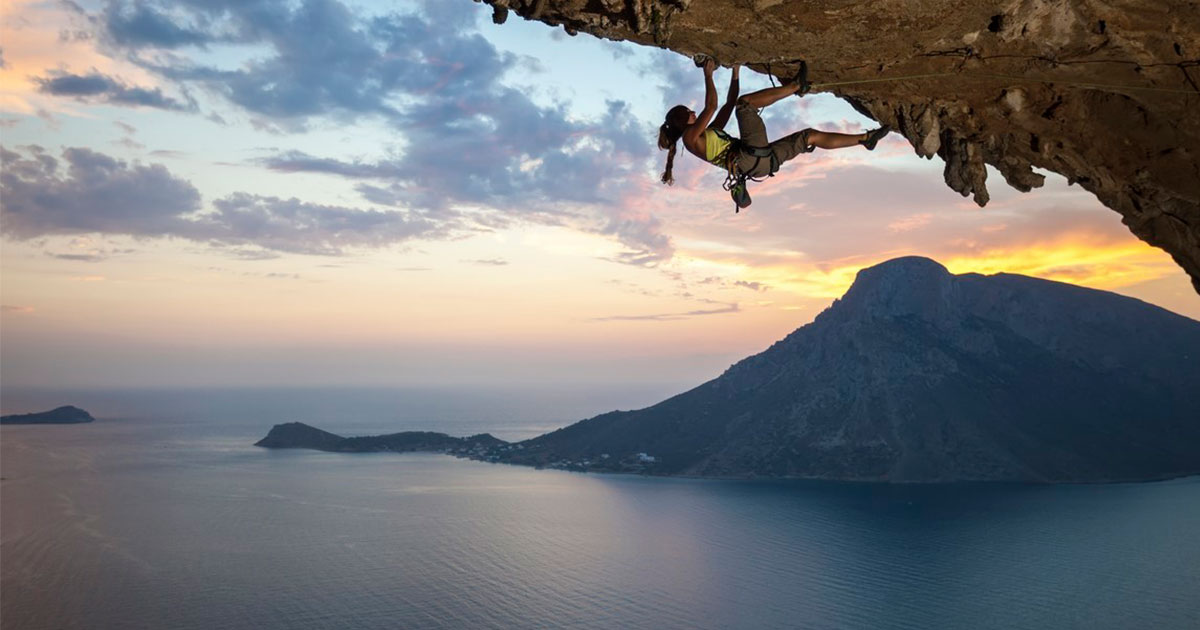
<point>62,415</point>
<point>300,435</point>
<point>918,375</point>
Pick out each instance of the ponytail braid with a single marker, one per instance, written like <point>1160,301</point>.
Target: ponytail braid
<point>668,139</point>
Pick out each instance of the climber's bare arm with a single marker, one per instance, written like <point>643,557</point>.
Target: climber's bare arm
<point>731,98</point>
<point>693,135</point>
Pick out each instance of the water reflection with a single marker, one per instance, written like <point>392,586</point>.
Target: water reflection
<point>147,523</point>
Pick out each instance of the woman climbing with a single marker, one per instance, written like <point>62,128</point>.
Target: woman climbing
<point>753,155</point>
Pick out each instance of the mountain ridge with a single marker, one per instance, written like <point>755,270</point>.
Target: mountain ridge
<point>919,375</point>
<point>880,384</point>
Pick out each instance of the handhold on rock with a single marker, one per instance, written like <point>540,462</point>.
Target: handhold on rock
<point>499,13</point>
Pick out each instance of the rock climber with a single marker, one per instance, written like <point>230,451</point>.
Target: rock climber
<point>752,155</point>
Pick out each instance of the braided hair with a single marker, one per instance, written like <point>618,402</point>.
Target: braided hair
<point>668,137</point>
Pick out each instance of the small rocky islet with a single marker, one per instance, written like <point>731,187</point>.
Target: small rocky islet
<point>66,414</point>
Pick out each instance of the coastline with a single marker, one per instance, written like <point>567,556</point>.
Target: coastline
<point>464,448</point>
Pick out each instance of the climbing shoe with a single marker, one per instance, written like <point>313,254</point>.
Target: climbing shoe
<point>801,79</point>
<point>874,136</point>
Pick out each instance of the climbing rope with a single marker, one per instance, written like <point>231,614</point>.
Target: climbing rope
<point>993,75</point>
<point>699,60</point>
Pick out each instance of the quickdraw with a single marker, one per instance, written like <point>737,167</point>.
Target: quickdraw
<point>735,179</point>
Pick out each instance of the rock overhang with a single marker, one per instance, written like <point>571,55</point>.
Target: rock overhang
<point>1104,93</point>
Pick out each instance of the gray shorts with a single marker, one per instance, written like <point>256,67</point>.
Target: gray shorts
<point>754,133</point>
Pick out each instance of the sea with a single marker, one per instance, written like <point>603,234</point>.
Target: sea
<point>163,514</point>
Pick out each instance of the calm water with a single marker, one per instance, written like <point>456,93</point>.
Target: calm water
<point>162,515</point>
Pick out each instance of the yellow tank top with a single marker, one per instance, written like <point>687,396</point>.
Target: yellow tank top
<point>715,145</point>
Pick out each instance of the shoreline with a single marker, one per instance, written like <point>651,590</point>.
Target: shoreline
<point>761,478</point>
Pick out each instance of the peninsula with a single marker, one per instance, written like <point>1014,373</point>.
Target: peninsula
<point>300,435</point>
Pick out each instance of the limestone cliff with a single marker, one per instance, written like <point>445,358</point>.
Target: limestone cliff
<point>1104,92</point>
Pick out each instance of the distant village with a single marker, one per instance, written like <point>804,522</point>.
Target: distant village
<point>536,457</point>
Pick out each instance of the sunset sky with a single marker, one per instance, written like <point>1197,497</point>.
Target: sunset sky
<point>252,192</point>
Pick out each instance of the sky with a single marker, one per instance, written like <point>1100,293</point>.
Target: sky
<point>320,192</point>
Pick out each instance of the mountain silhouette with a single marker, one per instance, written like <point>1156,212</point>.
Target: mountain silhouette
<point>918,375</point>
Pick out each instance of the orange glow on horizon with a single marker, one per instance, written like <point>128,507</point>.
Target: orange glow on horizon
<point>1075,259</point>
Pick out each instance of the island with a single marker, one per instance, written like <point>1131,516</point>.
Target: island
<point>916,375</point>
<point>61,415</point>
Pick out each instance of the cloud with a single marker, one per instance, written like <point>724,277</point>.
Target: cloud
<point>468,138</point>
<point>300,162</point>
<point>679,80</point>
<point>291,225</point>
<point>573,166</point>
<point>910,222</point>
<point>150,24</point>
<point>517,156</point>
<point>495,262</point>
<point>270,275</point>
<point>79,257</point>
<point>620,51</point>
<point>321,59</point>
<point>753,286</point>
<point>9,308</point>
<point>721,282</point>
<point>96,193</point>
<point>663,317</point>
<point>85,251</point>
<point>100,88</point>
<point>642,233</point>
<point>250,253</point>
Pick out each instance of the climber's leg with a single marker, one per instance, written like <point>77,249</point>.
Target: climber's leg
<point>792,145</point>
<point>762,98</point>
<point>750,125</point>
<point>831,140</point>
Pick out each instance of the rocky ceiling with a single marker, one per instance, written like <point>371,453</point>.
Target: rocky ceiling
<point>1106,93</point>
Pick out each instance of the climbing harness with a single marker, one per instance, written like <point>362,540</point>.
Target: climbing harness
<point>735,178</point>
